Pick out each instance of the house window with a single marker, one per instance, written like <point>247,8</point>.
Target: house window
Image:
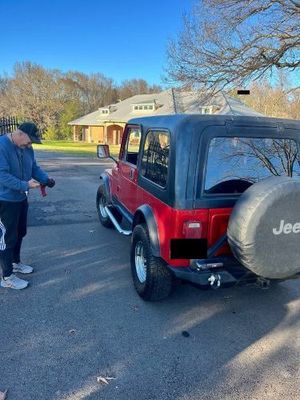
<point>206,110</point>
<point>143,107</point>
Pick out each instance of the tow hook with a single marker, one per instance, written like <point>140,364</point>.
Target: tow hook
<point>263,283</point>
<point>215,281</point>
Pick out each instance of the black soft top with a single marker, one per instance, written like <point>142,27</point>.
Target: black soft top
<point>176,122</point>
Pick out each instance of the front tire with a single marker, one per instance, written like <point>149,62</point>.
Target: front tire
<point>151,277</point>
<point>101,203</point>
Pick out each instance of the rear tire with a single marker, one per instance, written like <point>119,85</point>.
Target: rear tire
<point>102,202</point>
<point>151,277</point>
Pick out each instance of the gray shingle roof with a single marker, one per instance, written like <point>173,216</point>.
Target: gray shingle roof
<point>167,102</point>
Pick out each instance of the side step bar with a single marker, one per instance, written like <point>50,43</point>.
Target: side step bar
<point>115,223</point>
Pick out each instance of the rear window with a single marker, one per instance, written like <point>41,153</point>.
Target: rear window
<point>234,164</point>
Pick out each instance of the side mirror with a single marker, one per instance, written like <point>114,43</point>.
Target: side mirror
<point>103,151</point>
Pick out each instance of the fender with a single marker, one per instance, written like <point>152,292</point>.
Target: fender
<point>145,214</point>
<point>105,184</point>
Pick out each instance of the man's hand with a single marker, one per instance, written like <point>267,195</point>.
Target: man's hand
<point>33,184</point>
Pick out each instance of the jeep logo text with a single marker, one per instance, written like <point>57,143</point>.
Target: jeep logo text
<point>286,228</point>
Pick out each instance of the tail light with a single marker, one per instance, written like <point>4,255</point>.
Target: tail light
<point>192,229</point>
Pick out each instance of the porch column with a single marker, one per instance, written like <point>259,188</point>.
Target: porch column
<point>105,134</point>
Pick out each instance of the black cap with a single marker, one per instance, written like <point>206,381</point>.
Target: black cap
<point>31,130</point>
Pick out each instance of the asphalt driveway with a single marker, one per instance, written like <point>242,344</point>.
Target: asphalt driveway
<point>81,319</point>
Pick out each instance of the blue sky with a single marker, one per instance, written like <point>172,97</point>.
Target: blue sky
<point>121,39</point>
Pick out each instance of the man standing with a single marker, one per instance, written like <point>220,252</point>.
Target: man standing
<point>19,173</point>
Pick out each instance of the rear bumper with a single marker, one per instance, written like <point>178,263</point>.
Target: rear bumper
<point>220,271</point>
<point>215,272</point>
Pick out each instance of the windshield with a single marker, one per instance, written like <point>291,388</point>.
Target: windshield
<point>235,163</point>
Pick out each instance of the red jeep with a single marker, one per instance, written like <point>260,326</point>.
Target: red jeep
<point>211,199</point>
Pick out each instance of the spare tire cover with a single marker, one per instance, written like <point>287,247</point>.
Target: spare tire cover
<point>264,228</point>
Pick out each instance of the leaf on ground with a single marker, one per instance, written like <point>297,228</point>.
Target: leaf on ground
<point>3,395</point>
<point>104,380</point>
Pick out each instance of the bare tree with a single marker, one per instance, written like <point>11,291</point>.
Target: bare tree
<point>33,93</point>
<point>4,109</point>
<point>45,96</point>
<point>129,88</point>
<point>279,156</point>
<point>275,100</point>
<point>239,160</point>
<point>91,91</point>
<point>52,98</point>
<point>227,43</point>
<point>295,105</point>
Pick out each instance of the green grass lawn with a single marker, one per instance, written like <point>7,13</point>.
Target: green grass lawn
<point>74,148</point>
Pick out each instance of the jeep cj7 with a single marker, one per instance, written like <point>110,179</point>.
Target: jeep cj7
<point>211,199</point>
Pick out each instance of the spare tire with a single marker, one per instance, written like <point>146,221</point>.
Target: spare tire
<point>264,228</point>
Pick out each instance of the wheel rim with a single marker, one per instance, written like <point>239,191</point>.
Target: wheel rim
<point>102,204</point>
<point>140,262</point>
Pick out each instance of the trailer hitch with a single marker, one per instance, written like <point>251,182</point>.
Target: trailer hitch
<point>215,281</point>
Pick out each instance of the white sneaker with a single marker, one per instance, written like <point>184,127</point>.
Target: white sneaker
<point>22,268</point>
<point>13,282</point>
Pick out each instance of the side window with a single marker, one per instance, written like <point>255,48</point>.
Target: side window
<point>133,145</point>
<point>156,157</point>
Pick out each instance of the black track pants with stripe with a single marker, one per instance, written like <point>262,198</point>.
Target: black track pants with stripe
<point>13,227</point>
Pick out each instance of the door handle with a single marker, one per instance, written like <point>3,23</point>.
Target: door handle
<point>131,173</point>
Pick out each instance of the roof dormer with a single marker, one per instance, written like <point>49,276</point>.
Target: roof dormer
<point>144,107</point>
<point>206,109</point>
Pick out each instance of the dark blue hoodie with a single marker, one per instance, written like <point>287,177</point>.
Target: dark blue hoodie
<point>17,167</point>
